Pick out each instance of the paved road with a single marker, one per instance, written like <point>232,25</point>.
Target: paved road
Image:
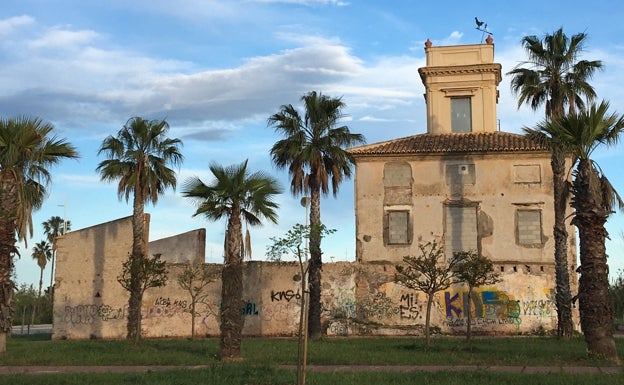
<point>34,329</point>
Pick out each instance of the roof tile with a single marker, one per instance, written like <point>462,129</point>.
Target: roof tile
<point>451,143</point>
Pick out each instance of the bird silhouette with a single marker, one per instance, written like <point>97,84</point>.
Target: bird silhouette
<point>479,23</point>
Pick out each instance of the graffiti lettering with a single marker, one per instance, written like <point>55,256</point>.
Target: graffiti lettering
<point>287,295</point>
<point>338,329</point>
<point>250,309</point>
<point>180,303</point>
<point>408,308</point>
<point>162,301</point>
<point>542,308</point>
<point>450,307</point>
<point>88,314</point>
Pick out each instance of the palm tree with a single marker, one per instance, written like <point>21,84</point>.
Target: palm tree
<point>556,78</point>
<point>594,199</point>
<point>28,149</point>
<point>238,196</point>
<point>53,228</point>
<point>314,152</point>
<point>139,158</point>
<point>41,253</point>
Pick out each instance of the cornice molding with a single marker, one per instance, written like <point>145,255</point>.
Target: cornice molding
<point>493,68</point>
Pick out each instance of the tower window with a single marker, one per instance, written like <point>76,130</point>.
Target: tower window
<point>461,114</point>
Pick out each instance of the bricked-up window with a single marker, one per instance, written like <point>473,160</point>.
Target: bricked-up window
<point>397,175</point>
<point>529,227</point>
<point>460,229</point>
<point>398,227</point>
<point>461,114</point>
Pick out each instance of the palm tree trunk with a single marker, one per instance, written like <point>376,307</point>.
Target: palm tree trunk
<point>563,296</point>
<point>315,266</point>
<point>232,290</point>
<point>595,307</point>
<point>8,208</point>
<point>40,282</point>
<point>138,252</point>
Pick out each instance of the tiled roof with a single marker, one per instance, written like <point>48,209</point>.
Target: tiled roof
<point>451,143</point>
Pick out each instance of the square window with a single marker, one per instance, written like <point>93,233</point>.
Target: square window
<point>461,114</point>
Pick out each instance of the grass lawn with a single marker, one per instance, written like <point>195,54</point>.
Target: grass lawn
<point>262,357</point>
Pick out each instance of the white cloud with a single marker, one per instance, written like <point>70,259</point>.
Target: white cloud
<point>63,38</point>
<point>453,39</point>
<point>8,26</point>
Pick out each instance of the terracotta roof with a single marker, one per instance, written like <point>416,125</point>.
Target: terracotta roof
<point>451,143</point>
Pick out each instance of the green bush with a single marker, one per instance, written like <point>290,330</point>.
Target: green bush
<point>25,301</point>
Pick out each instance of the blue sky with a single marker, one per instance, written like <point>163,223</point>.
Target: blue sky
<point>216,70</point>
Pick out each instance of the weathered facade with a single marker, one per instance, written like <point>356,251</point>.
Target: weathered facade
<point>357,298</point>
<point>462,183</point>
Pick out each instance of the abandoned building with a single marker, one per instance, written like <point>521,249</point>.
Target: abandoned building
<point>463,183</point>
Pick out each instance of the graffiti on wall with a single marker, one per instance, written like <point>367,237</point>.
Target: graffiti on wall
<point>284,295</point>
<point>342,304</point>
<point>409,307</point>
<point>87,314</point>
<point>492,307</point>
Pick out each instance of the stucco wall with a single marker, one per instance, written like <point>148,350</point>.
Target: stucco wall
<point>357,298</point>
<point>86,293</point>
<point>189,247</point>
<point>461,71</point>
<point>499,190</point>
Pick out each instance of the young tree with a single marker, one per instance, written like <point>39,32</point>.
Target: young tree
<point>151,272</point>
<point>554,76</point>
<point>475,270</point>
<point>314,151</point>
<point>139,158</point>
<point>28,148</point>
<point>594,199</point>
<point>428,273</point>
<point>195,279</point>
<point>236,195</point>
<point>293,244</point>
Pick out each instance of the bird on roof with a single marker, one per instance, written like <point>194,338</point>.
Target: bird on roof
<point>479,23</point>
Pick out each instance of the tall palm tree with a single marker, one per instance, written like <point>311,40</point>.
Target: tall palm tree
<point>53,228</point>
<point>41,253</point>
<point>553,76</point>
<point>314,151</point>
<point>28,148</point>
<point>594,199</point>
<point>139,158</point>
<point>238,196</point>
